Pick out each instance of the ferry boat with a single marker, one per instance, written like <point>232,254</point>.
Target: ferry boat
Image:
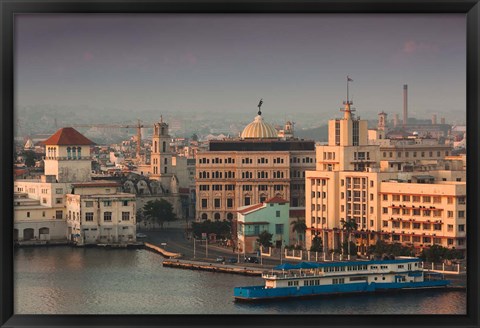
<point>311,279</point>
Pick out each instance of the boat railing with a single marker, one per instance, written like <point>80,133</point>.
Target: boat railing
<point>287,275</point>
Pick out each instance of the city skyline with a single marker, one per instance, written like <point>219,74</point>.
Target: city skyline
<point>226,63</point>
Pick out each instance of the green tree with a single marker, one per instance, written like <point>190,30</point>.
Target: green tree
<point>29,158</point>
<point>317,244</point>
<point>265,239</point>
<point>436,253</point>
<point>349,226</point>
<point>299,227</point>
<point>159,211</point>
<point>221,228</point>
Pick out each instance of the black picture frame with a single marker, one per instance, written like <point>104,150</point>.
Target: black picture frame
<point>470,8</point>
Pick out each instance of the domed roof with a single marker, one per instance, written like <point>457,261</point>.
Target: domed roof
<point>259,129</point>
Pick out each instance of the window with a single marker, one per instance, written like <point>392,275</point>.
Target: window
<point>277,214</point>
<point>58,200</point>
<point>385,224</point>
<point>58,215</point>
<point>89,216</point>
<point>204,203</point>
<point>59,191</point>
<point>461,200</point>
<point>229,202</point>
<point>450,227</point>
<point>125,203</point>
<point>107,216</point>
<point>279,229</point>
<point>125,216</point>
<point>247,201</point>
<point>216,202</point>
<point>450,214</point>
<point>426,199</point>
<point>416,225</point>
<point>107,203</point>
<point>461,227</point>
<point>385,197</point>
<point>461,214</point>
<point>385,210</point>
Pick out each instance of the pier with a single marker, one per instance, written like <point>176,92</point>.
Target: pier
<point>163,252</point>
<point>212,267</point>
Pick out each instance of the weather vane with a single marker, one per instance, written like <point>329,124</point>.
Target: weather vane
<point>260,105</point>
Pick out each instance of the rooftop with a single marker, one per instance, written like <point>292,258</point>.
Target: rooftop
<point>68,136</point>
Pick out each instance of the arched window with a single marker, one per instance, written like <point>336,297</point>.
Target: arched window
<point>229,216</point>
<point>79,152</point>
<point>74,152</point>
<point>166,161</point>
<point>165,169</point>
<point>156,147</point>
<point>217,216</point>
<point>204,216</point>
<point>69,154</point>
<point>164,145</point>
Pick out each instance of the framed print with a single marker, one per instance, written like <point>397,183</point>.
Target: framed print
<point>248,163</point>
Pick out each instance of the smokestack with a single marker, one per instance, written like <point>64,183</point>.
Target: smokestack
<point>442,120</point>
<point>395,120</point>
<point>405,104</point>
<point>434,119</point>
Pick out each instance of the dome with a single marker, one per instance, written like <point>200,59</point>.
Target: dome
<point>259,129</point>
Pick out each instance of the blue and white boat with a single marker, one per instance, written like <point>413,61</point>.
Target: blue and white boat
<point>311,279</point>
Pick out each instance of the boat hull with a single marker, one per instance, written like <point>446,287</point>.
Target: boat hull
<point>260,293</point>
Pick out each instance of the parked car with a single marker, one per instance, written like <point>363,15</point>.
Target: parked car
<point>251,259</point>
<point>220,259</point>
<point>232,260</point>
<point>141,235</point>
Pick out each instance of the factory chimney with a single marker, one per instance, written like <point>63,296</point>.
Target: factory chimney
<point>405,105</point>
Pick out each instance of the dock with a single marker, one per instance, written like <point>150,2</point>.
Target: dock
<point>159,250</point>
<point>212,267</point>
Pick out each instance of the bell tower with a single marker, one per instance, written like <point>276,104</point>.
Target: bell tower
<point>161,157</point>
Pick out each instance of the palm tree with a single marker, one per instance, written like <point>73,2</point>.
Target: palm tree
<point>298,227</point>
<point>349,226</point>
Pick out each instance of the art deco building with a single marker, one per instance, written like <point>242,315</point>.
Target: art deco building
<point>251,169</point>
<point>403,191</point>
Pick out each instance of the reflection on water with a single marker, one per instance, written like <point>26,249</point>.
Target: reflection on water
<point>64,280</point>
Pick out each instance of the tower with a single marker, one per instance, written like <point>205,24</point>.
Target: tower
<point>68,156</point>
<point>382,124</point>
<point>161,157</point>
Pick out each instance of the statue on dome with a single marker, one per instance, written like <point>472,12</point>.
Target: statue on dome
<point>260,105</point>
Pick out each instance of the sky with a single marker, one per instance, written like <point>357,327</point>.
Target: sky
<point>298,63</point>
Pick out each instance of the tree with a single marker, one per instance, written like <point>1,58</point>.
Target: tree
<point>349,226</point>
<point>159,211</point>
<point>141,217</point>
<point>265,239</point>
<point>299,227</point>
<point>194,137</point>
<point>317,244</point>
<point>436,253</point>
<point>29,158</point>
<point>220,228</point>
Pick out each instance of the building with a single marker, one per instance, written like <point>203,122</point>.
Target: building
<point>364,181</point>
<point>272,216</point>
<point>257,166</point>
<point>97,213</point>
<point>52,209</point>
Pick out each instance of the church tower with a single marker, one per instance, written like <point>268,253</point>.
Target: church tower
<point>161,157</point>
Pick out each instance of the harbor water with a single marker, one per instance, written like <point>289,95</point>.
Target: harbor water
<point>67,280</point>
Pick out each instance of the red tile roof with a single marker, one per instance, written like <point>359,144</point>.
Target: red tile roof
<point>277,200</point>
<point>68,136</point>
<point>251,208</point>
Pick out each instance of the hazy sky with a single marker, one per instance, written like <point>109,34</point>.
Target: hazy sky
<point>296,63</point>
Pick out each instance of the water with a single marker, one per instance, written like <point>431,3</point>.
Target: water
<point>64,280</point>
